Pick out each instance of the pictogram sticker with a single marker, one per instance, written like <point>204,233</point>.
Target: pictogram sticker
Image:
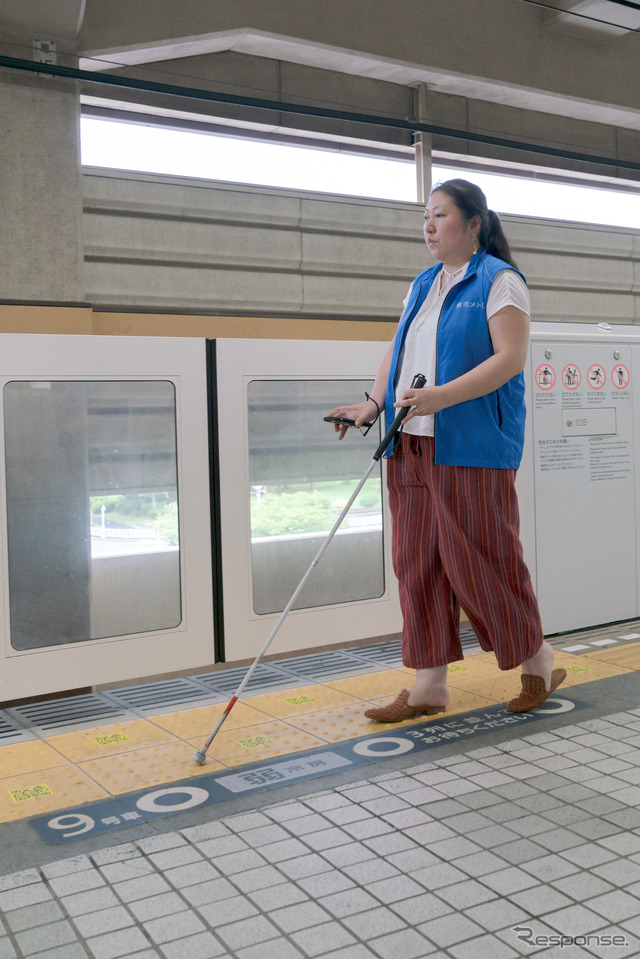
<point>596,376</point>
<point>109,740</point>
<point>571,377</point>
<point>30,792</point>
<point>620,376</point>
<point>545,377</point>
<point>254,741</point>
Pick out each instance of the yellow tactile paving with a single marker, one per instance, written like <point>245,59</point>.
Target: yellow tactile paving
<point>587,669</point>
<point>154,766</point>
<point>296,702</point>
<point>257,743</point>
<point>479,673</point>
<point>198,722</point>
<point>45,790</point>
<point>496,685</point>
<point>625,656</point>
<point>475,661</point>
<point>389,682</point>
<point>339,723</point>
<point>16,758</point>
<point>70,769</point>
<point>102,741</point>
<point>461,701</point>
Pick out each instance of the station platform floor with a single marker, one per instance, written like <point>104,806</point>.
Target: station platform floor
<point>312,831</point>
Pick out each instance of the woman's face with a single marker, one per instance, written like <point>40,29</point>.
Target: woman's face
<point>450,238</point>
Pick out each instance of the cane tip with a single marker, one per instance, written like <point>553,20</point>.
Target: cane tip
<point>199,757</point>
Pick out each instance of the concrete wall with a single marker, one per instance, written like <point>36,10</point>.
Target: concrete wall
<point>277,562</point>
<point>40,191</point>
<point>177,245</point>
<point>135,594</point>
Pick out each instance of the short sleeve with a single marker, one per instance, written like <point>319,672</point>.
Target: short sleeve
<point>508,289</point>
<point>406,299</point>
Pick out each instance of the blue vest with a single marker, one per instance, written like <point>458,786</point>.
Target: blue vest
<point>487,431</point>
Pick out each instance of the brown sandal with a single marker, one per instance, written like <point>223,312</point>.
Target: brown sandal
<point>400,709</point>
<point>534,691</point>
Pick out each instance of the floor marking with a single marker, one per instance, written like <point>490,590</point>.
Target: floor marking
<point>113,761</point>
<point>114,813</point>
<point>252,741</point>
<point>30,792</point>
<point>110,740</point>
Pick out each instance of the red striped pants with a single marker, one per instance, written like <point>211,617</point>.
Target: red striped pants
<point>456,543</point>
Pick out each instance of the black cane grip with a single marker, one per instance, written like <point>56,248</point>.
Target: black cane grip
<point>417,383</point>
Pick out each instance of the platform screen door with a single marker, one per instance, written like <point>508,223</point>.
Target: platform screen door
<point>92,509</point>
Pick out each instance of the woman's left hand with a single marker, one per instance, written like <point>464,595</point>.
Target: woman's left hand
<point>427,400</point>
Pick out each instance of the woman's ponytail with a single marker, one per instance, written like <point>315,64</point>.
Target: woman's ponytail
<point>492,238</point>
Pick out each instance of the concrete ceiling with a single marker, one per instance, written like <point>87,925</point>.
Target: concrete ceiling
<point>261,44</point>
<point>602,20</point>
<point>57,20</point>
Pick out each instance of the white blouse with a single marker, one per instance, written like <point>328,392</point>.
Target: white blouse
<point>508,289</point>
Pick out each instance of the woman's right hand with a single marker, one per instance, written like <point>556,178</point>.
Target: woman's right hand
<point>360,412</point>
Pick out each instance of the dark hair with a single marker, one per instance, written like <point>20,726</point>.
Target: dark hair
<point>471,202</point>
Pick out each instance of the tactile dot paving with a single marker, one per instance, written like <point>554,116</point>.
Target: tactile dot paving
<point>385,683</point>
<point>45,790</point>
<point>497,686</point>
<point>190,723</point>
<point>257,743</point>
<point>146,767</point>
<point>624,656</point>
<point>295,702</point>
<point>461,701</point>
<point>343,722</point>
<point>18,758</point>
<point>587,668</point>
<point>109,740</point>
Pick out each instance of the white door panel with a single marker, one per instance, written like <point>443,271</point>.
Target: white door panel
<point>106,571</point>
<point>283,466</point>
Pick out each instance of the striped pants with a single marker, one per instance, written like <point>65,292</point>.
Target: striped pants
<point>456,544</point>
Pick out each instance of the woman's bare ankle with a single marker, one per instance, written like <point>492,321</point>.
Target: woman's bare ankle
<point>540,664</point>
<point>432,695</point>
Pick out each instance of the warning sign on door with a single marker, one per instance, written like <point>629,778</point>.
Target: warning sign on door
<point>620,376</point>
<point>545,377</point>
<point>596,376</point>
<point>571,377</point>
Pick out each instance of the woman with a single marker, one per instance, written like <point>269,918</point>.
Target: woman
<point>451,474</point>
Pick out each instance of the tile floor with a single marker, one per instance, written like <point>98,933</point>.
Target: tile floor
<point>521,844</point>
